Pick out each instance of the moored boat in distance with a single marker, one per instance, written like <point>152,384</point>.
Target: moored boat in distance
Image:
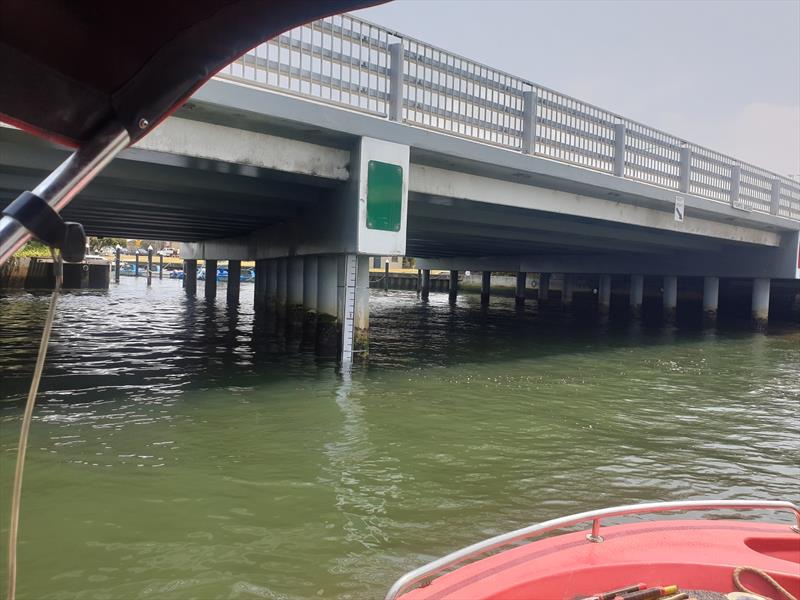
<point>701,558</point>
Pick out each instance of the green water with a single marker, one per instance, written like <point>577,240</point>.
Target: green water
<point>183,450</point>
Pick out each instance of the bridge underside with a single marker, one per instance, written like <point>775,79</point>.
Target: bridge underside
<point>460,218</point>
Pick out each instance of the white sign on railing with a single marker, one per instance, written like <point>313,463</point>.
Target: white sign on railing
<point>679,205</point>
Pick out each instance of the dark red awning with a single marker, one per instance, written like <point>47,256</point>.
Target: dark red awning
<point>68,67</point>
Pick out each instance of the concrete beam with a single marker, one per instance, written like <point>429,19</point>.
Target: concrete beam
<point>451,184</point>
<point>229,144</point>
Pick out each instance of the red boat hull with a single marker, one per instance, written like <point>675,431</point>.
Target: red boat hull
<point>700,555</point>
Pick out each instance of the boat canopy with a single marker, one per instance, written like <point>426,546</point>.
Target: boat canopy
<point>69,68</point>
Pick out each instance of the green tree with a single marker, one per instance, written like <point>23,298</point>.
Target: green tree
<point>96,243</point>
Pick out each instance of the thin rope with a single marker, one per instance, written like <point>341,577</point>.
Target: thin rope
<point>16,494</point>
<point>765,576</point>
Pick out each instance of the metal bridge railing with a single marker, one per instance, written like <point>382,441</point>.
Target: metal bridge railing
<point>346,61</point>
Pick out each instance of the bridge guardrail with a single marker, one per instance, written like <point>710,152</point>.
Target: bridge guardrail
<point>346,61</point>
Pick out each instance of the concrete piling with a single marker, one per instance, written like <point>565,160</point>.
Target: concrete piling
<point>425,288</point>
<point>310,276</point>
<point>604,294</point>
<point>567,291</point>
<point>386,276</point>
<point>636,294</point>
<point>211,279</point>
<point>271,284</point>
<point>234,281</point>
<point>452,292</point>
<point>294,288</point>
<point>710,299</point>
<point>670,298</point>
<point>150,266</point>
<point>760,302</point>
<point>116,264</point>
<point>136,265</point>
<point>361,316</point>
<point>190,276</point>
<point>544,288</point>
<point>283,282</point>
<point>260,287</point>
<point>486,286</point>
<point>519,294</point>
<point>161,266</point>
<point>327,301</point>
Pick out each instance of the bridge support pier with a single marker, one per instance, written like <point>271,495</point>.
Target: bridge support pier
<point>190,276</point>
<point>604,294</point>
<point>211,279</point>
<point>452,292</point>
<point>234,283</point>
<point>327,301</point>
<point>636,294</point>
<point>519,295</point>
<point>486,286</point>
<point>670,299</point>
<point>282,268</point>
<point>760,302</point>
<point>544,287</point>
<point>425,284</point>
<point>294,288</point>
<point>710,299</point>
<point>567,291</point>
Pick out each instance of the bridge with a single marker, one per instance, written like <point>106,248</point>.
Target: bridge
<point>345,139</point>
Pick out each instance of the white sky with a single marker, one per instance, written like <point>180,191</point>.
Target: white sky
<point>724,74</point>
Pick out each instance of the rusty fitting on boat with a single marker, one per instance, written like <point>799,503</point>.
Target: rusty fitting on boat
<point>595,535</point>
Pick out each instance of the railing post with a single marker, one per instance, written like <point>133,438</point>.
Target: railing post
<point>619,149</point>
<point>685,175</point>
<point>775,200</point>
<point>529,122</point>
<point>396,82</point>
<point>736,174</point>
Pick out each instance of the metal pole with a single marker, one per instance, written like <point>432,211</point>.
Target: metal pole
<point>685,169</point>
<point>619,149</point>
<point>775,197</point>
<point>529,122</point>
<point>386,277</point>
<point>64,183</point>
<point>116,264</point>
<point>736,173</point>
<point>161,266</point>
<point>396,82</point>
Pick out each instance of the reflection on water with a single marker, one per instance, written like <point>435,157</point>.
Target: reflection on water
<point>189,450</point>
